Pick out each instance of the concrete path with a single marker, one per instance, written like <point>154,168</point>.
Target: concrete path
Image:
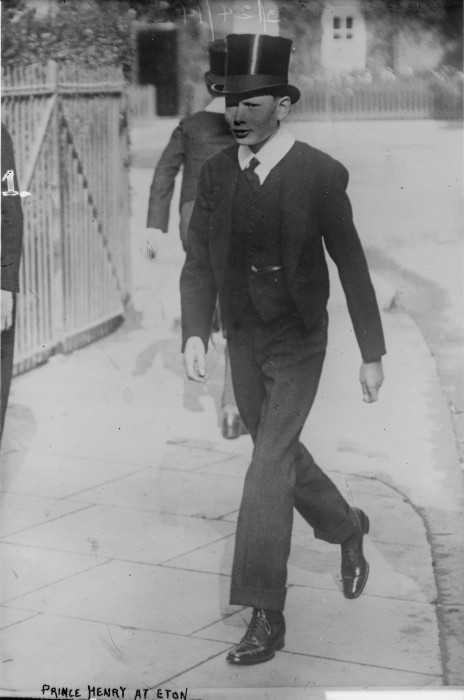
<point>119,502</point>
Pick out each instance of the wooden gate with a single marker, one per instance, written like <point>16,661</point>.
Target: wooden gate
<point>69,131</point>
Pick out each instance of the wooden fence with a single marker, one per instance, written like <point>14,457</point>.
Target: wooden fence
<point>389,101</point>
<point>70,136</point>
<point>416,99</point>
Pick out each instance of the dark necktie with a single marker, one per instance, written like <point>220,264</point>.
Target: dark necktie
<point>250,174</point>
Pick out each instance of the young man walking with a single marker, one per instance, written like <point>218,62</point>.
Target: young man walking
<point>264,209</point>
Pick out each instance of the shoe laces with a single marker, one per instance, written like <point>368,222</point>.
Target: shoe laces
<point>258,626</point>
<point>258,630</point>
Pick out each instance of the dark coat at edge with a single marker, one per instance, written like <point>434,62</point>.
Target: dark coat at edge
<point>12,220</point>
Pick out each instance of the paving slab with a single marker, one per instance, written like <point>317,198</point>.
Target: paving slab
<point>193,458</point>
<point>102,655</point>
<point>236,466</point>
<point>9,617</point>
<point>398,574</point>
<point>20,511</point>
<point>394,522</point>
<point>403,631</point>
<point>289,671</point>
<point>135,595</point>
<point>171,491</point>
<point>26,569</point>
<point>66,475</point>
<point>124,533</point>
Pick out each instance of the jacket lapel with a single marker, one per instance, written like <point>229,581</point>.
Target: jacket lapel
<point>224,180</point>
<point>295,206</point>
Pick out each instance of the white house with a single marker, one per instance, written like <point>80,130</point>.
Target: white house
<point>344,36</point>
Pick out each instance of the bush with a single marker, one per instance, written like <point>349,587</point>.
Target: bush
<point>87,35</point>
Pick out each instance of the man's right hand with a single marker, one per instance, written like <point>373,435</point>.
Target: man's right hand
<point>152,243</point>
<point>195,359</point>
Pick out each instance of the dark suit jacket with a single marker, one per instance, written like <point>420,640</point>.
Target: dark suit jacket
<point>196,138</point>
<point>314,208</point>
<point>12,221</point>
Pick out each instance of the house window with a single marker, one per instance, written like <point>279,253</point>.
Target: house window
<point>343,29</point>
<point>349,27</point>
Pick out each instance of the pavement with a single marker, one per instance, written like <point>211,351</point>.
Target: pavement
<point>120,498</point>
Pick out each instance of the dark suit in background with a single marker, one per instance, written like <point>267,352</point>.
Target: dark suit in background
<point>12,239</point>
<point>195,138</point>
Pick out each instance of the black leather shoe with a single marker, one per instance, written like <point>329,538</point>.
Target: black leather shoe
<point>261,641</point>
<point>232,425</point>
<point>355,568</point>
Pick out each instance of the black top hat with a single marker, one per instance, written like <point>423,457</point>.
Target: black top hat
<point>217,61</point>
<point>257,63</point>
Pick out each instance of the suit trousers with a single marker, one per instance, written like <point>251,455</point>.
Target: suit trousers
<point>276,367</point>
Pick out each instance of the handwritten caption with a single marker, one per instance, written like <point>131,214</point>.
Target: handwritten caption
<point>256,11</point>
<point>93,691</point>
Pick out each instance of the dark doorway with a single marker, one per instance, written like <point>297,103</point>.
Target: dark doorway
<point>157,64</point>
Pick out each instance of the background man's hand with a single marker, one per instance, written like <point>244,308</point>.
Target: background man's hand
<point>152,243</point>
<point>195,359</point>
<point>371,378</point>
<point>7,309</point>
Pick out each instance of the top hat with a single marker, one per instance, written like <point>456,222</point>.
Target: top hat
<point>217,61</point>
<point>257,64</point>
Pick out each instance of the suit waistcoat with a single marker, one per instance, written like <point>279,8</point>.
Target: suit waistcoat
<point>255,246</point>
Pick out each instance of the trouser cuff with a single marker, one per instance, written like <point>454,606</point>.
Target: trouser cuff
<point>257,598</point>
<point>341,534</point>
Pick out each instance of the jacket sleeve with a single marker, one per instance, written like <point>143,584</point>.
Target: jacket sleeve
<point>344,247</point>
<point>197,283</point>
<point>162,185</point>
<point>12,221</point>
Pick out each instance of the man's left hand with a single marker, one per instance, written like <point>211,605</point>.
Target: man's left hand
<point>7,309</point>
<point>371,378</point>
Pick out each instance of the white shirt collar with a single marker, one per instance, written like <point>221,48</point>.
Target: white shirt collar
<point>269,155</point>
<point>217,105</point>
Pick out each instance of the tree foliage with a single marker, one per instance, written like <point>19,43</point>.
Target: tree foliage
<point>419,12</point>
<point>94,32</point>
<point>86,34</point>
